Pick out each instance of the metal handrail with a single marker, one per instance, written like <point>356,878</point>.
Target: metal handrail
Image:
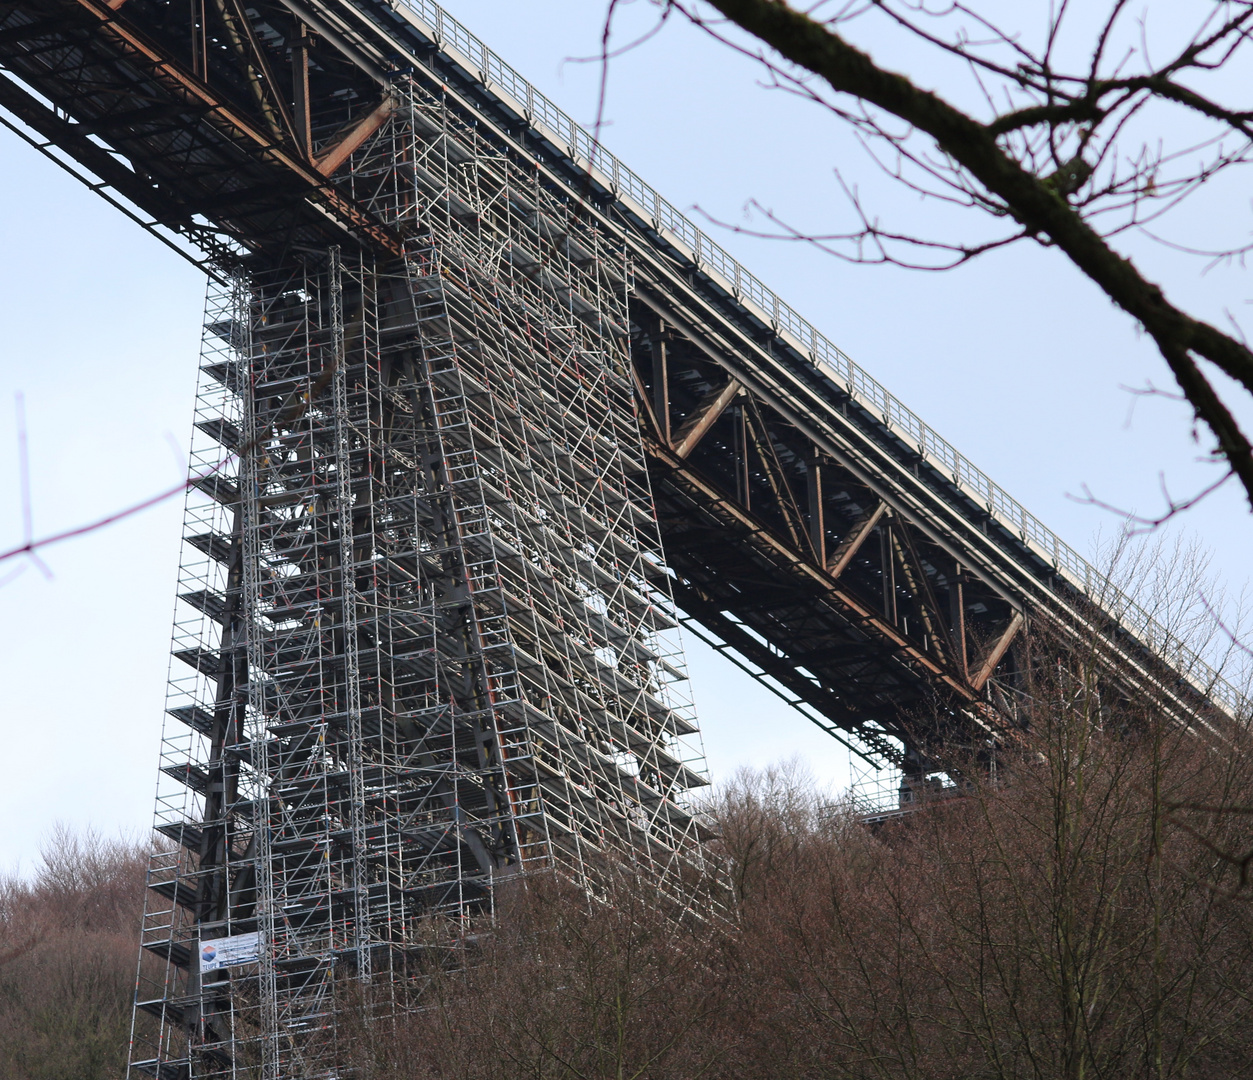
<point>541,113</point>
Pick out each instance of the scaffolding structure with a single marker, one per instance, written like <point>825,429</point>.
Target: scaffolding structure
<point>423,635</point>
<point>424,638</point>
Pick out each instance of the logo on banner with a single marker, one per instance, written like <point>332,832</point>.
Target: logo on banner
<point>225,952</point>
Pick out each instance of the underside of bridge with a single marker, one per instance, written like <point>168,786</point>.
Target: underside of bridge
<point>478,425</point>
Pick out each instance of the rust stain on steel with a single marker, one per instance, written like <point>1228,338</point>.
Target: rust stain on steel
<point>998,650</point>
<point>696,428</point>
<point>341,151</point>
<point>196,92</point>
<point>845,553</point>
<point>821,579</point>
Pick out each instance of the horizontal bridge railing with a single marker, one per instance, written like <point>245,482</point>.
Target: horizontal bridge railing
<point>585,151</point>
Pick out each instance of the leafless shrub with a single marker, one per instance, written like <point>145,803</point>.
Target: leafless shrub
<point>68,937</point>
<point>1061,920</point>
<point>614,986</point>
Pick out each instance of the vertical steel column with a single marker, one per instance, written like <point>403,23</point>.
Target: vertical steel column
<point>817,517</point>
<point>360,886</point>
<point>661,382</point>
<point>250,514</point>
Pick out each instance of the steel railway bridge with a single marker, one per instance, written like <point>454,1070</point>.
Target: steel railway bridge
<point>481,419</point>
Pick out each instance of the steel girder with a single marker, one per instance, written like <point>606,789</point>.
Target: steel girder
<point>767,471</point>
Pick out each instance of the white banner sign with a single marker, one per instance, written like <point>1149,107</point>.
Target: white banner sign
<point>228,951</point>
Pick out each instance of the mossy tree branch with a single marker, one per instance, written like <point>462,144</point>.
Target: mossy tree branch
<point>977,150</point>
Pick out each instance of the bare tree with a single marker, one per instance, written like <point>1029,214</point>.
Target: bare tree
<point>1060,922</point>
<point>1063,144</point>
<point>68,936</point>
<point>1061,919</point>
<point>617,986</point>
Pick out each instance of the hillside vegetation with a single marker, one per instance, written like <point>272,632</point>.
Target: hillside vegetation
<point>1084,913</point>
<point>68,939</point>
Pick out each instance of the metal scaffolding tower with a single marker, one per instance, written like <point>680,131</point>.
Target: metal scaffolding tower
<point>465,376</point>
<point>425,639</point>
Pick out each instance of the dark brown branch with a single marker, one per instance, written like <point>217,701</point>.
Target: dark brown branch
<point>1144,524</point>
<point>1040,210</point>
<point>1071,112</point>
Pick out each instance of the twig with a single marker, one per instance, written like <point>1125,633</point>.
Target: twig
<point>293,408</point>
<point>1148,524</point>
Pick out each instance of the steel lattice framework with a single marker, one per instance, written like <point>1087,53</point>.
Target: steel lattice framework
<point>427,650</point>
<point>480,418</point>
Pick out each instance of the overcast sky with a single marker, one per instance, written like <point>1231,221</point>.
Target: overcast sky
<point>1016,359</point>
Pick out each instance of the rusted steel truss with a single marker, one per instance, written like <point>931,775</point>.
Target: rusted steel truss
<point>799,531</point>
<point>799,566</point>
<point>181,111</point>
<point>807,538</point>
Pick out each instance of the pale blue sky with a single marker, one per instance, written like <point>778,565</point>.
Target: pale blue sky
<point>1015,359</point>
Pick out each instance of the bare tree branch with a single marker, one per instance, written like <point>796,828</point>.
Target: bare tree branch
<point>295,406</point>
<point>1045,180</point>
<point>1138,524</point>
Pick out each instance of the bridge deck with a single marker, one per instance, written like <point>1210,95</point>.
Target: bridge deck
<point>422,633</point>
<point>770,450</point>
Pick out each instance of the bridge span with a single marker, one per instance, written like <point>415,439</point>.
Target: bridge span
<point>481,420</point>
